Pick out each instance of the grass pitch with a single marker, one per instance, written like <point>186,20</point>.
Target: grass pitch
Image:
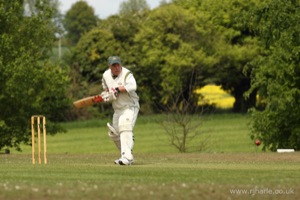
<point>153,176</point>
<point>80,166</point>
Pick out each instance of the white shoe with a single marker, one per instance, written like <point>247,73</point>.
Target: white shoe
<point>124,161</point>
<point>117,161</point>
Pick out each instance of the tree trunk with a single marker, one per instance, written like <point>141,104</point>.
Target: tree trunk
<point>242,104</point>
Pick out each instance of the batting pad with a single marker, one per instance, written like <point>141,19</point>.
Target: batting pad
<point>126,121</point>
<point>127,144</point>
<point>111,129</point>
<point>115,139</point>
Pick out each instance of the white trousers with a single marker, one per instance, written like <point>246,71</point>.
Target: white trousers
<point>123,122</point>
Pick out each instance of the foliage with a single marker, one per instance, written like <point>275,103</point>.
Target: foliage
<point>170,54</point>
<point>113,36</point>
<point>214,95</point>
<point>232,45</point>
<point>29,84</point>
<point>79,20</point>
<point>132,7</point>
<point>195,43</point>
<point>92,51</point>
<point>277,78</point>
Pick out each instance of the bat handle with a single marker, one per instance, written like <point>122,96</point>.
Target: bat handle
<point>97,99</point>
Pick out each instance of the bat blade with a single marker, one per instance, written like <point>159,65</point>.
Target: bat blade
<point>85,102</point>
<point>88,101</point>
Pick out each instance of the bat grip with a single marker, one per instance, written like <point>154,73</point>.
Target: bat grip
<point>97,99</point>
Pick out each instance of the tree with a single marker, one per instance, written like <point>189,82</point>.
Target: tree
<point>277,78</point>
<point>132,7</point>
<point>180,124</point>
<point>79,20</point>
<point>233,46</point>
<point>29,84</point>
<point>171,57</point>
<point>92,51</point>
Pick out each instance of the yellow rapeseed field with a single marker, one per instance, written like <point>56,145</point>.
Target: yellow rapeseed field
<point>213,94</point>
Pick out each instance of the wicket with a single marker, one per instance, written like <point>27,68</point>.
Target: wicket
<point>38,118</point>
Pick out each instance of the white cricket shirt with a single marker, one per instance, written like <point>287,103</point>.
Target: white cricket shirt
<point>126,79</point>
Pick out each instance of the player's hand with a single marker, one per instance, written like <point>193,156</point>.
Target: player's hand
<point>105,96</point>
<point>108,96</point>
<point>116,91</point>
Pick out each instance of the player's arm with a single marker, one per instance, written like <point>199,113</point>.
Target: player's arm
<point>130,85</point>
<point>120,89</point>
<point>104,85</point>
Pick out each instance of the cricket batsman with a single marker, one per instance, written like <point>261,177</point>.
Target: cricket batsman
<point>119,87</point>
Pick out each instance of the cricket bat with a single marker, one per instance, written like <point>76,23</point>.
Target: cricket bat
<point>88,101</point>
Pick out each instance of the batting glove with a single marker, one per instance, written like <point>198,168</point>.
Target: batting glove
<point>108,96</point>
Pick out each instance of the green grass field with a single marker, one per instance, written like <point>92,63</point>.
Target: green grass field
<point>80,165</point>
